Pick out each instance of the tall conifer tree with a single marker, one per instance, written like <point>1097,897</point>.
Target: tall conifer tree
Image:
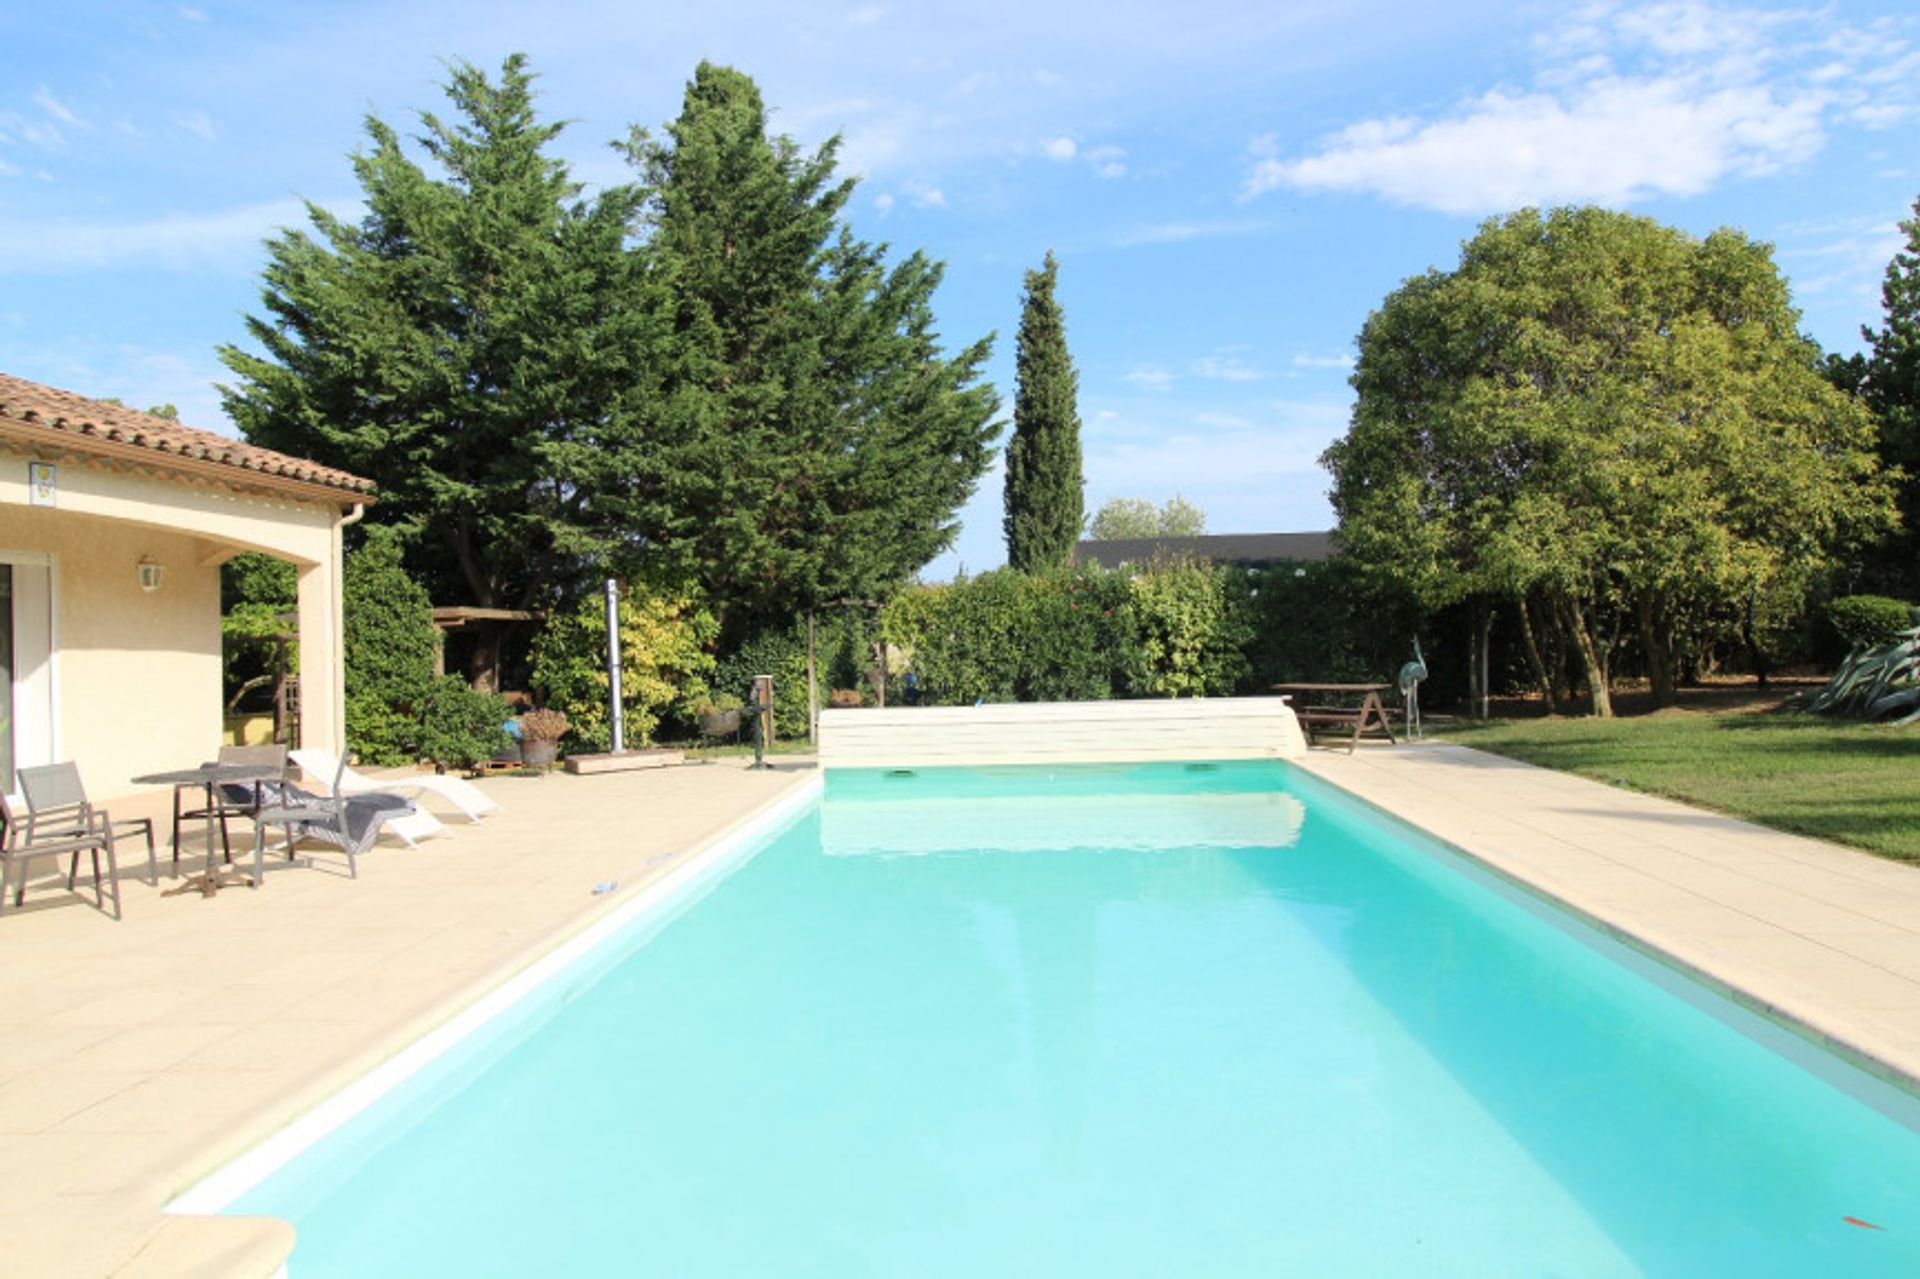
<point>1044,503</point>
<point>460,345</point>
<point>807,438</point>
<point>1889,380</point>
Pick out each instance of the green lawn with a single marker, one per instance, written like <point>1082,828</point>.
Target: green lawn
<point>1855,784</point>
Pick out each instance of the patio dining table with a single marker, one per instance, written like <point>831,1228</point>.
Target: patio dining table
<point>208,776</point>
<point>1369,716</point>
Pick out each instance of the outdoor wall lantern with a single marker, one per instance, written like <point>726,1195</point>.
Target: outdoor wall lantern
<point>151,572</point>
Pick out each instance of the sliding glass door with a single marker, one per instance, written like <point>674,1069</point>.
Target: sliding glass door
<point>26,664</point>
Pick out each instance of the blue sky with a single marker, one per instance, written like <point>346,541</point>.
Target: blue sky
<point>1230,188</point>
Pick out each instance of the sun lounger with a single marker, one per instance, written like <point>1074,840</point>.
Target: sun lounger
<point>462,794</point>
<point>350,823</point>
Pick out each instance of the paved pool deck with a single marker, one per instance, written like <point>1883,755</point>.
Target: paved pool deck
<point>137,1057</point>
<point>1823,937</point>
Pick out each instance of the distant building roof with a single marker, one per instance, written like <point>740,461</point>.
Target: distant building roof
<point>34,414</point>
<point>1251,550</point>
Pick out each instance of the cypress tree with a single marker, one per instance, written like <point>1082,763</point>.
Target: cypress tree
<point>1044,511</point>
<point>460,345</point>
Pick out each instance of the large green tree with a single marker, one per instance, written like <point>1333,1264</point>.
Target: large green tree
<point>1887,376</point>
<point>1609,426</point>
<point>1134,517</point>
<point>1044,502</point>
<point>461,344</point>
<point>806,438</point>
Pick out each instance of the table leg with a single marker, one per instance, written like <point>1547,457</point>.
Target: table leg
<point>211,881</point>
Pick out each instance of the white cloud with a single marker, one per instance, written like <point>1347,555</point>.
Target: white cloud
<point>1306,361</point>
<point>884,203</point>
<point>174,241</point>
<point>1225,366</point>
<point>1846,258</point>
<point>1224,461</point>
<point>1706,93</point>
<point>44,99</point>
<point>1107,161</point>
<point>924,195</point>
<point>196,122</point>
<point>1180,232</point>
<point>867,15</point>
<point>1150,377</point>
<point>1060,148</point>
<point>189,13</point>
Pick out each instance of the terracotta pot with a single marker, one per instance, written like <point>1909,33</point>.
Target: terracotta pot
<point>539,754</point>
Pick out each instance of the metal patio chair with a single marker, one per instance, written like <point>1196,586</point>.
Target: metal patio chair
<point>350,823</point>
<point>21,844</point>
<point>57,805</point>
<point>234,799</point>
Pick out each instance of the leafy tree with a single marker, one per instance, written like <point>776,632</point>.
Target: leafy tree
<point>389,641</point>
<point>461,344</point>
<point>664,663</point>
<point>258,595</point>
<point>1134,517</point>
<point>1888,378</point>
<point>1044,511</point>
<point>1609,424</point>
<point>1193,632</point>
<point>806,437</point>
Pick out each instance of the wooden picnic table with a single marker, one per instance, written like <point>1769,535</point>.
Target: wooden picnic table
<point>1370,714</point>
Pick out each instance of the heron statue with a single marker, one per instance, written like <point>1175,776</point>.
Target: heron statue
<point>1410,676</point>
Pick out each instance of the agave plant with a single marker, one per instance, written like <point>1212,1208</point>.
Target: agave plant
<point>1877,683</point>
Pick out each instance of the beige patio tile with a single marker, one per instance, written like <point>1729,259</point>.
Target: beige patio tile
<point>140,1055</point>
<point>37,1102</point>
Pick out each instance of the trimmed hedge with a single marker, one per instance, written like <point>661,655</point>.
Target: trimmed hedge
<point>1864,621</point>
<point>1073,634</point>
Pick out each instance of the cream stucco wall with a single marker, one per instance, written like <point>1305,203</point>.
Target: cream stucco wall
<point>138,673</point>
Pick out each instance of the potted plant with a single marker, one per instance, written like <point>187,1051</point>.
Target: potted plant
<point>719,715</point>
<point>540,734</point>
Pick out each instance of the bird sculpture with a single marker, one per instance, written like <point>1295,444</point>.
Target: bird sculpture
<point>1410,676</point>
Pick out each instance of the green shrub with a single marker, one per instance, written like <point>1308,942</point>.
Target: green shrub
<point>664,664</point>
<point>1193,631</point>
<point>1319,621</point>
<point>1865,621</point>
<point>1004,636</point>
<point>390,645</point>
<point>462,727</point>
<point>781,653</point>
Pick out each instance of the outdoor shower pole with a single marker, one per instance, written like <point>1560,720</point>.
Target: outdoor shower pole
<point>616,713</point>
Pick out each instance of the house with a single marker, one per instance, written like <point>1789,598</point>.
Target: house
<point>1246,550</point>
<point>113,527</point>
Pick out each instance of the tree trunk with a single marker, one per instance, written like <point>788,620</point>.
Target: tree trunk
<point>1761,666</point>
<point>1485,646</point>
<point>1659,653</point>
<point>1541,676</point>
<point>1574,622</point>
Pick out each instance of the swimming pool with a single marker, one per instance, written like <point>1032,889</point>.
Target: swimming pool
<point>1147,1020</point>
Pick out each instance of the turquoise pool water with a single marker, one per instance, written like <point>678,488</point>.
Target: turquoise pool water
<point>1125,1021</point>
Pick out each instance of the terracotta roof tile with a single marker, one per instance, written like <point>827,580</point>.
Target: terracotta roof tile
<point>76,420</point>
